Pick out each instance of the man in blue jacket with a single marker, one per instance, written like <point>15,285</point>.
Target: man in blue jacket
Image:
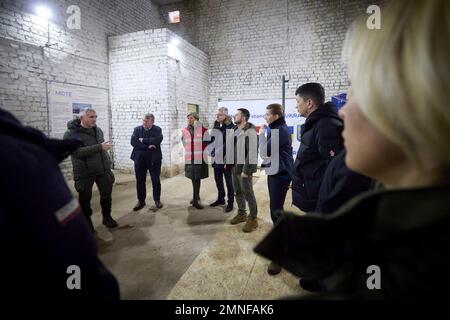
<point>146,141</point>
<point>321,140</point>
<point>278,163</point>
<point>47,250</point>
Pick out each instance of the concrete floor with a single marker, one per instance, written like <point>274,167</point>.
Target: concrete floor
<point>180,252</point>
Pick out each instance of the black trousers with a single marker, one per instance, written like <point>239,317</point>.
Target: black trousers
<point>219,173</point>
<point>196,189</point>
<point>104,183</point>
<point>278,187</point>
<point>140,170</point>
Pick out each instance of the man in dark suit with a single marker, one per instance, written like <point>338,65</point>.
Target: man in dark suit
<point>146,141</point>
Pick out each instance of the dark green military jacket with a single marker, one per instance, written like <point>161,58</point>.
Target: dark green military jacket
<point>405,233</point>
<point>247,162</point>
<point>90,159</point>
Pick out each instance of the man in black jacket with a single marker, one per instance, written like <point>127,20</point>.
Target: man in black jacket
<point>43,235</point>
<point>340,184</point>
<point>146,141</point>
<point>320,141</point>
<point>222,123</point>
<point>91,163</point>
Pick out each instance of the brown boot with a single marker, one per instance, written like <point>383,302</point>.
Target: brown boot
<point>250,225</point>
<point>239,218</point>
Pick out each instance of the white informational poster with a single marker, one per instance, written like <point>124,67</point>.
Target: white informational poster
<point>257,110</point>
<point>66,101</point>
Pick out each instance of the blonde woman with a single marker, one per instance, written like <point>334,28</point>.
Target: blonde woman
<point>393,243</point>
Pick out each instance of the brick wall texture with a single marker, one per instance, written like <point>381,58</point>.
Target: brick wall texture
<point>229,50</point>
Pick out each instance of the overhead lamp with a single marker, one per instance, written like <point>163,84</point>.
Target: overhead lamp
<point>43,12</point>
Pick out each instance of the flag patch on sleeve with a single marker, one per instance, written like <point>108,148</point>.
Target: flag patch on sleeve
<point>69,210</point>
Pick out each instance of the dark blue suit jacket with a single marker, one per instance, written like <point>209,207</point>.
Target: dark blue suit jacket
<point>151,137</point>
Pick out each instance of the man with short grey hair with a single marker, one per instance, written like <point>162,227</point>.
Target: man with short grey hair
<point>146,141</point>
<point>222,170</point>
<point>91,164</point>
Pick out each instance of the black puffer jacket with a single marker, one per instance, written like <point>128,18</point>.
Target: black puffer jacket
<point>90,159</point>
<point>321,140</point>
<point>340,184</point>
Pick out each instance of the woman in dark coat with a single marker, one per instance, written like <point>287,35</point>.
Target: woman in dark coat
<point>392,243</point>
<point>196,168</point>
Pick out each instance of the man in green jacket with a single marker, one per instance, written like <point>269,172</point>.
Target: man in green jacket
<point>245,164</point>
<point>91,163</point>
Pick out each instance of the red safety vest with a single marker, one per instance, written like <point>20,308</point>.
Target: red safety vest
<point>194,147</point>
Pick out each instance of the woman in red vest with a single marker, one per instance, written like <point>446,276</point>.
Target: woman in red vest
<point>195,154</point>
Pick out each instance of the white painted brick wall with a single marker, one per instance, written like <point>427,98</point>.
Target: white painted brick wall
<point>80,56</point>
<point>145,77</point>
<point>252,43</point>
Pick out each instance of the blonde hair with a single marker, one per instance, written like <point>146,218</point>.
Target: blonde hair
<point>400,79</point>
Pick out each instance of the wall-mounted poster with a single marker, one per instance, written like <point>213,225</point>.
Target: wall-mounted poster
<point>66,101</point>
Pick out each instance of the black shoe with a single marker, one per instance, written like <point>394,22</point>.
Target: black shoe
<point>217,203</point>
<point>311,285</point>
<point>109,222</point>
<point>229,208</point>
<point>191,202</point>
<point>197,205</point>
<point>138,206</point>
<point>158,204</point>
<point>273,269</point>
